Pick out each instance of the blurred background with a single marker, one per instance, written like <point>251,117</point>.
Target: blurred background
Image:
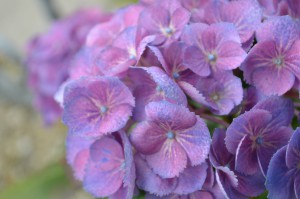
<point>32,156</point>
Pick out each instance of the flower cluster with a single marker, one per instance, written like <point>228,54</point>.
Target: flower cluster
<point>176,98</point>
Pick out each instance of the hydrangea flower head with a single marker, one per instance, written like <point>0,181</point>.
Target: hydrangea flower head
<point>94,106</point>
<point>275,57</point>
<point>175,136</point>
<point>212,48</point>
<point>257,134</point>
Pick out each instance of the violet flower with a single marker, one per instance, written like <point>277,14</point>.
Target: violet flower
<point>174,136</point>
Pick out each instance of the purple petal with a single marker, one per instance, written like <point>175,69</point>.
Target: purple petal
<point>251,185</point>
<point>249,123</point>
<point>264,77</point>
<point>293,150</point>
<point>149,181</point>
<point>174,160</point>
<point>195,60</point>
<point>191,179</point>
<point>196,142</point>
<point>219,155</point>
<point>246,161</point>
<point>103,174</point>
<point>230,55</point>
<point>282,109</point>
<point>297,186</point>
<point>279,178</point>
<point>148,137</point>
<point>274,140</point>
<point>176,116</point>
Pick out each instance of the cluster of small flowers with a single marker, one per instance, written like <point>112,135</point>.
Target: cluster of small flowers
<point>135,85</point>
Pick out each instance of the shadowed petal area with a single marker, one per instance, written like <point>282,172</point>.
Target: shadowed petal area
<point>279,178</point>
<point>269,80</point>
<point>148,137</point>
<point>248,123</point>
<point>246,158</point>
<point>94,106</point>
<point>177,117</point>
<point>104,174</point>
<point>297,186</point>
<point>151,182</point>
<point>196,142</point>
<point>219,155</point>
<point>251,185</point>
<point>191,179</point>
<point>293,150</point>
<point>170,161</point>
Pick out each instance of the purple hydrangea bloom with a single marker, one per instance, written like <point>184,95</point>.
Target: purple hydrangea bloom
<point>251,97</point>
<point>166,25</point>
<point>174,135</point>
<point>190,180</point>
<point>233,184</point>
<point>171,59</point>
<point>94,106</point>
<point>196,8</point>
<point>283,177</point>
<point>50,55</point>
<point>110,171</point>
<point>257,134</point>
<point>213,48</point>
<point>222,92</point>
<point>275,57</point>
<point>246,15</point>
<point>152,84</point>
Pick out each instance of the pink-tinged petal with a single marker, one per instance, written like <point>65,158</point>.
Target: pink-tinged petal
<point>260,55</point>
<point>78,154</point>
<point>196,142</point>
<point>272,141</point>
<point>79,164</point>
<point>104,175</point>
<point>279,178</point>
<point>246,161</point>
<point>251,185</point>
<point>126,39</point>
<point>282,109</point>
<point>180,18</point>
<point>292,58</point>
<point>192,33</point>
<point>269,80</point>
<point>195,60</point>
<point>191,179</point>
<point>148,137</point>
<point>147,180</point>
<point>230,55</point>
<point>103,34</point>
<point>283,29</point>
<point>245,15</point>
<point>174,160</point>
<point>293,150</point>
<point>217,34</point>
<point>130,14</point>
<point>177,117</point>
<point>219,155</point>
<point>191,91</point>
<point>248,123</point>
